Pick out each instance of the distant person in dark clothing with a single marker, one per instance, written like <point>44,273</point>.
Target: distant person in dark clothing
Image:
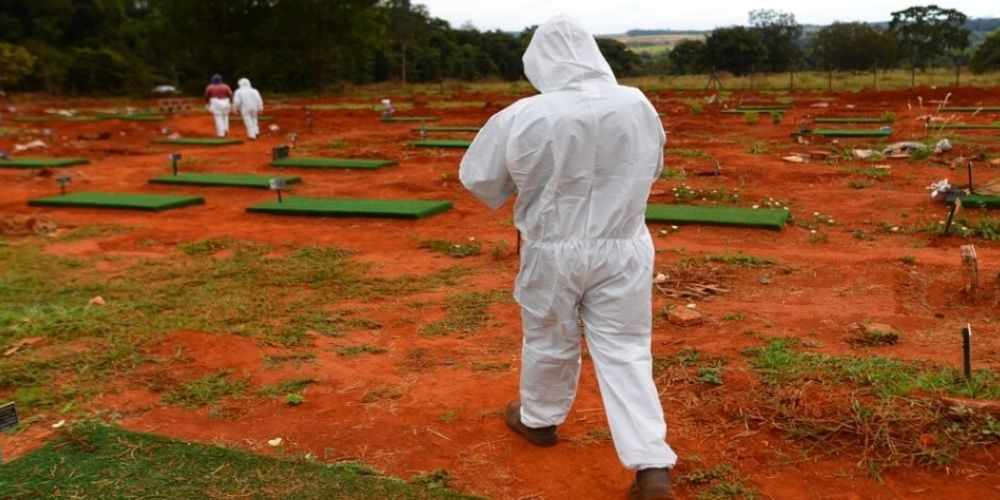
<point>218,95</point>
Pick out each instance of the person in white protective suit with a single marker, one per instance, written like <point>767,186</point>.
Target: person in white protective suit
<point>248,102</point>
<point>217,95</point>
<point>581,158</point>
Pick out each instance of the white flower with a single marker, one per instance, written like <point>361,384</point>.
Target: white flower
<point>816,214</point>
<point>894,229</point>
<point>673,227</point>
<point>755,207</point>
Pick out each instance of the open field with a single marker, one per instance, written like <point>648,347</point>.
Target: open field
<point>395,343</point>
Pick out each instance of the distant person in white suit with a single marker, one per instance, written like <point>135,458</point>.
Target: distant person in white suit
<point>248,102</point>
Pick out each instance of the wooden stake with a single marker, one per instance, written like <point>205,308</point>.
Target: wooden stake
<point>970,266</point>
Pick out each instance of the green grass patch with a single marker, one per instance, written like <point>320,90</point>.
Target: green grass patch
<point>468,312</point>
<point>285,387</point>
<point>98,461</point>
<point>670,173</point>
<point>452,249</point>
<point>206,390</point>
<point>735,259</point>
<point>779,364</point>
<point>869,172</point>
<point>276,300</point>
<point>273,361</point>
<point>354,350</point>
<point>92,231</point>
<point>687,153</point>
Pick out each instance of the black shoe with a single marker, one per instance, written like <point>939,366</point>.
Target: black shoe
<point>651,484</point>
<point>543,436</point>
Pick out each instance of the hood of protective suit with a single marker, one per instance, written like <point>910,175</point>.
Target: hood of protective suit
<point>563,55</point>
<point>243,83</point>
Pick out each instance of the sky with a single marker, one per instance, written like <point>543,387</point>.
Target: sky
<point>618,16</point>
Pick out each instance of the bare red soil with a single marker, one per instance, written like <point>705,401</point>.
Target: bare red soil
<point>448,415</point>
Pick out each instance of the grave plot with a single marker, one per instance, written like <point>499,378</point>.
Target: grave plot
<point>402,119</point>
<point>352,207</point>
<point>847,133</point>
<point>964,126</point>
<point>971,109</point>
<point>198,141</point>
<point>717,216</point>
<point>445,129</point>
<point>443,143</point>
<point>847,119</point>
<point>38,162</point>
<point>222,180</point>
<point>126,201</point>
<point>330,163</point>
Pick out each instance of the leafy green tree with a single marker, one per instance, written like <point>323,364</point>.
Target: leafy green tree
<point>929,31</point>
<point>689,56</point>
<point>778,31</point>
<point>987,55</point>
<point>738,50</point>
<point>853,47</point>
<point>623,62</point>
<point>15,64</point>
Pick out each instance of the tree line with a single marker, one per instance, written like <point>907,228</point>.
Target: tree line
<point>126,46</point>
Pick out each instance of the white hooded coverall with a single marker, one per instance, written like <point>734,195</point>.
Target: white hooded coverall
<point>581,157</point>
<point>248,102</point>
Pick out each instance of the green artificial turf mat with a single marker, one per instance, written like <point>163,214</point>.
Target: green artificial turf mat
<point>839,119</point>
<point>210,179</point>
<point>963,126</point>
<point>199,141</point>
<point>348,207</point>
<point>143,118</point>
<point>443,143</point>
<point>33,119</point>
<point>981,201</point>
<point>85,118</point>
<point>765,107</point>
<point>972,109</point>
<point>410,119</point>
<point>447,129</point>
<point>42,162</point>
<point>151,202</point>
<point>365,163</point>
<point>94,460</point>
<point>851,132</point>
<point>717,216</point>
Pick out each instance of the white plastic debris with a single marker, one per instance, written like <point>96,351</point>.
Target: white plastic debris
<point>942,146</point>
<point>58,424</point>
<point>36,144</point>
<point>276,442</point>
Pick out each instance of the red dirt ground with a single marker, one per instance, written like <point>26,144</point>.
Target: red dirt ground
<point>449,415</point>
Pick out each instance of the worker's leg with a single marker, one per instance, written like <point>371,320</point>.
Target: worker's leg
<point>617,317</point>
<point>550,354</point>
<point>250,122</point>
<point>220,126</point>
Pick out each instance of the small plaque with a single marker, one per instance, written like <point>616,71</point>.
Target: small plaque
<point>174,156</point>
<point>279,152</point>
<point>8,417</point>
<point>277,184</point>
<point>64,180</point>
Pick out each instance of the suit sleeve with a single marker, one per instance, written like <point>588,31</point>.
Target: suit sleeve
<point>484,168</point>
